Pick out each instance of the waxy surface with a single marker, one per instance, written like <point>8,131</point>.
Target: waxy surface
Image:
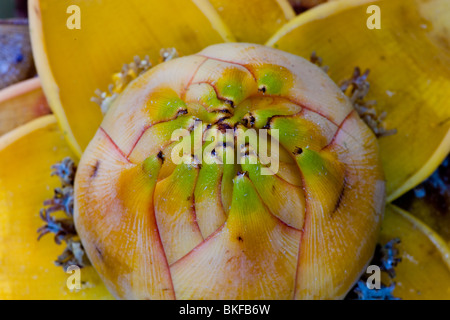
<point>156,229</point>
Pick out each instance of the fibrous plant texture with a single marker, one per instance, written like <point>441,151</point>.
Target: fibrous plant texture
<point>233,223</point>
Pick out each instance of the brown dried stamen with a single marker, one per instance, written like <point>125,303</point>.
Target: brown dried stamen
<point>63,228</point>
<point>314,58</point>
<point>357,88</point>
<point>168,54</point>
<point>129,72</point>
<point>386,257</point>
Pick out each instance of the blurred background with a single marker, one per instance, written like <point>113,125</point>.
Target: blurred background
<point>16,62</point>
<point>7,8</point>
<point>13,8</point>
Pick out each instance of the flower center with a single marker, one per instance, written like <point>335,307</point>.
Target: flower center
<point>241,157</point>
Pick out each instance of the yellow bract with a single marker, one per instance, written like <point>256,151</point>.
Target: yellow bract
<point>409,62</point>
<point>424,272</point>
<point>27,267</point>
<point>21,103</point>
<point>254,20</point>
<point>74,63</point>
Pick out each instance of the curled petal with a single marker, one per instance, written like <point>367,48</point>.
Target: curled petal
<point>424,270</point>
